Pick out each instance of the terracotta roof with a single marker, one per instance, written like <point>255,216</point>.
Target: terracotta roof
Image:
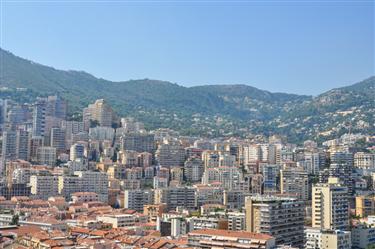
<point>227,233</point>
<point>22,230</point>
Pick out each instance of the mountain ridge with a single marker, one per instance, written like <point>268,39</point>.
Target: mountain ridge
<point>93,77</point>
<point>208,109</point>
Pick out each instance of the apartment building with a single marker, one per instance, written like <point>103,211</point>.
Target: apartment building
<point>316,238</point>
<point>137,199</point>
<point>365,205</point>
<point>236,221</point>
<point>82,197</point>
<point>84,181</point>
<point>330,206</point>
<point>280,217</point>
<point>44,186</point>
<point>295,181</point>
<point>46,156</point>
<point>118,220</point>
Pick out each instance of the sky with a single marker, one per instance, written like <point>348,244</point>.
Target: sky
<point>303,47</point>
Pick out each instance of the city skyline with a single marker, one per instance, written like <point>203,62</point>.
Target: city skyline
<point>116,130</point>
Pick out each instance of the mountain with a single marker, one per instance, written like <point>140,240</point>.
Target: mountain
<point>210,110</point>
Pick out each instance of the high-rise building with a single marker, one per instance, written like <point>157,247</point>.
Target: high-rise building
<point>58,139</point>
<point>330,205</point>
<point>9,146</point>
<point>136,199</point>
<point>22,145</point>
<point>17,115</point>
<point>193,170</point>
<point>34,144</point>
<point>176,197</point>
<point>39,118</point>
<point>129,125</point>
<point>341,157</point>
<point>44,186</point>
<point>144,159</point>
<point>139,142</point>
<point>251,153</point>
<point>71,128</point>
<point>270,176</point>
<point>210,159</point>
<point>77,151</point>
<point>227,160</point>
<point>46,156</point>
<point>84,181</point>
<point>56,107</point>
<point>170,154</point>
<point>229,177</point>
<point>343,171</point>
<point>102,133</point>
<point>282,218</point>
<point>313,162</point>
<point>295,181</point>
<point>100,112</point>
<point>256,183</point>
<point>365,162</point>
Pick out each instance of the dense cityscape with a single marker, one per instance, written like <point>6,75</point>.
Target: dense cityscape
<point>104,181</point>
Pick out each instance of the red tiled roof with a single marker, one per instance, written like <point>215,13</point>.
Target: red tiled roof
<point>227,233</point>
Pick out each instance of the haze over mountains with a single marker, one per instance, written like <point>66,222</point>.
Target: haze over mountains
<point>211,110</point>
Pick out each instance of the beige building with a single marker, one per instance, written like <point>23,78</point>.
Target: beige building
<point>280,217</point>
<point>330,205</point>
<point>153,211</point>
<point>100,112</point>
<point>210,159</point>
<point>118,220</point>
<point>81,197</point>
<point>336,239</point>
<point>364,205</point>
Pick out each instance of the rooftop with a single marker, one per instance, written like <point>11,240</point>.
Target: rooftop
<point>227,233</point>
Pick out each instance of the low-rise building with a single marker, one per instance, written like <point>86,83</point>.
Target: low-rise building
<point>316,238</point>
<point>81,197</point>
<point>211,238</point>
<point>363,236</point>
<point>364,205</point>
<point>154,211</point>
<point>118,220</point>
<point>236,221</point>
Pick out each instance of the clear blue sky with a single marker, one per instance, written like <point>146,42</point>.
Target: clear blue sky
<point>284,46</point>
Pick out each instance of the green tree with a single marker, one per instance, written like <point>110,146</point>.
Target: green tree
<point>15,220</point>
